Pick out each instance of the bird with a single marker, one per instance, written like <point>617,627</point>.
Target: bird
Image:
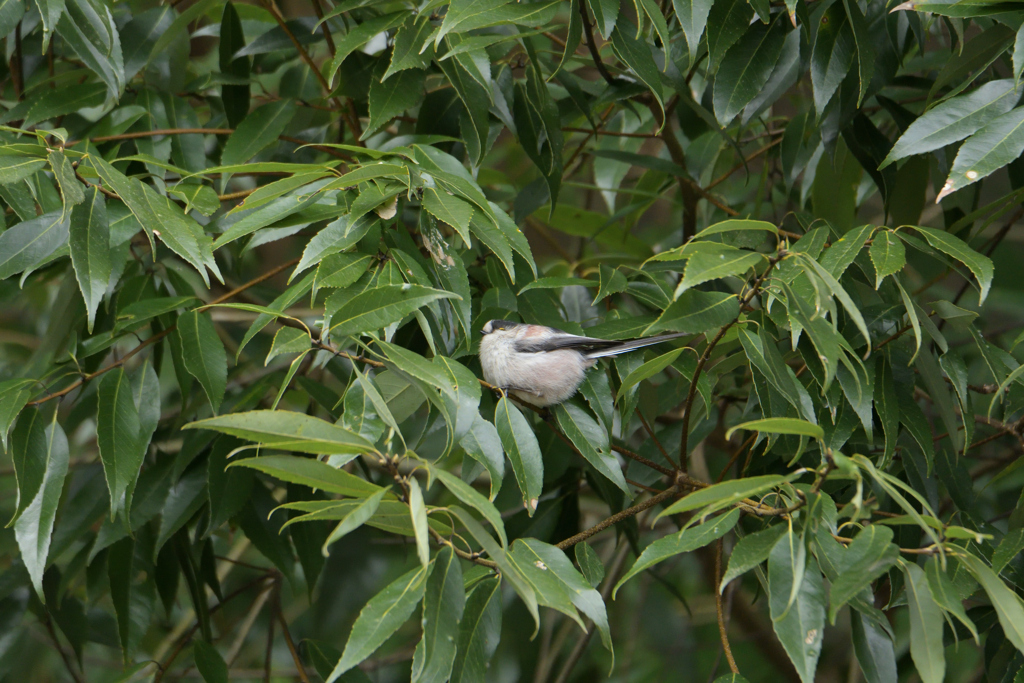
<point>544,366</point>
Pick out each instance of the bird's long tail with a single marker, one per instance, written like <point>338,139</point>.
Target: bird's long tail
<point>630,345</point>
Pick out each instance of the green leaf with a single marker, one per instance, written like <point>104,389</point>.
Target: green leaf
<point>713,264</point>
<point>379,307</point>
<point>57,102</point>
<point>468,495</point>
<point>727,22</point>
<point>210,664</point>
<point>120,560</point>
<point>832,56</point>
<point>725,493</point>
<point>1006,603</point>
<point>88,28</point>
<point>479,632</point>
<point>751,551</point>
<point>360,35</point>
<point>888,255</point>
<point>353,519</point>
<point>204,354</point>
<point>449,209</point>
<point>117,433</point>
<point>591,440</point>
<point>419,522</point>
<point>408,51</point>
<point>737,225</point>
<point>696,311</point>
<point>43,451</point>
<point>443,605</point>
<point>797,600</point>
<point>288,340</point>
<point>287,431</point>
<point>746,68</point>
<point>636,54</point>
<point>590,563</point>
<point>31,241</point>
<point>483,444</point>
<point>680,542</point>
<point>15,167</point>
<point>236,97</point>
<point>70,188</point>
<point>260,129</point>
<point>946,594</point>
<point>955,119</point>
<point>693,17</point>
<point>606,14</point>
<point>781,425</point>
<point>995,145</point>
<point>309,472</point>
<point>926,624</point>
<point>380,618</point>
<point>14,395</point>
<point>89,240</point>
<point>1008,548</point>
<point>870,555</point>
<point>520,444</point>
<point>874,650</point>
<point>646,371</point>
<point>951,245</point>
<point>202,198</point>
<point>392,97</point>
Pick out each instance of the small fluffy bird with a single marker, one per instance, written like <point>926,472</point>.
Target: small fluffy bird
<point>542,365</point>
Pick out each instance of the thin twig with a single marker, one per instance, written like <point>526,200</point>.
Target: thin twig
<point>48,622</point>
<point>158,336</point>
<point>725,176</point>
<point>720,612</point>
<point>595,54</point>
<point>618,517</point>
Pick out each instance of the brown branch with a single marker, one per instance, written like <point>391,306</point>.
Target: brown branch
<point>154,133</point>
<point>650,432</point>
<point>618,517</point>
<point>720,612</point>
<point>158,336</point>
<point>702,361</point>
<point>642,460</point>
<point>725,176</point>
<point>645,136</point>
<point>595,54</point>
<point>48,622</point>
<point>352,122</point>
<point>325,28</point>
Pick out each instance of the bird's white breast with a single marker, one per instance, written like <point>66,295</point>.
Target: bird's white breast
<point>544,378</point>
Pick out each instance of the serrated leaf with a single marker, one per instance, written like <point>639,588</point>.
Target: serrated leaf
<point>117,433</point>
<point>449,209</point>
<point>746,68</point>
<point>725,493</point>
<point>590,563</point>
<point>379,307</point>
<point>443,605</point>
<point>781,425</point>
<point>288,431</point>
<point>45,451</point>
<point>955,119</point>
<point>646,371</point>
<point>926,624</point>
<point>483,444</point>
<point>681,542</point>
<point>591,440</point>
<point>89,241</point>
<point>380,618</point>
<point>392,97</point>
<point>1006,603</point>
<point>797,600</point>
<point>204,354</point>
<point>832,56</point>
<point>257,131</point>
<point>870,555</point>
<point>355,517</point>
<point>696,311</point>
<point>468,495</point>
<point>750,551</point>
<point>520,444</point>
<point>479,632</point>
<point>888,255</point>
<point>32,241</point>
<point>951,245</point>
<point>995,145</point>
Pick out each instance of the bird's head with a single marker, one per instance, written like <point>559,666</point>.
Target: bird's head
<point>496,325</point>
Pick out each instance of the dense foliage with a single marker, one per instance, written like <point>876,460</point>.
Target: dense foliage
<point>247,252</point>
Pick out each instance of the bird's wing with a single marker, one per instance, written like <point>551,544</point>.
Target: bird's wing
<point>591,347</point>
<point>563,340</point>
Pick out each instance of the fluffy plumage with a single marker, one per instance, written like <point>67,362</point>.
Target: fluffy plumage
<point>542,365</point>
